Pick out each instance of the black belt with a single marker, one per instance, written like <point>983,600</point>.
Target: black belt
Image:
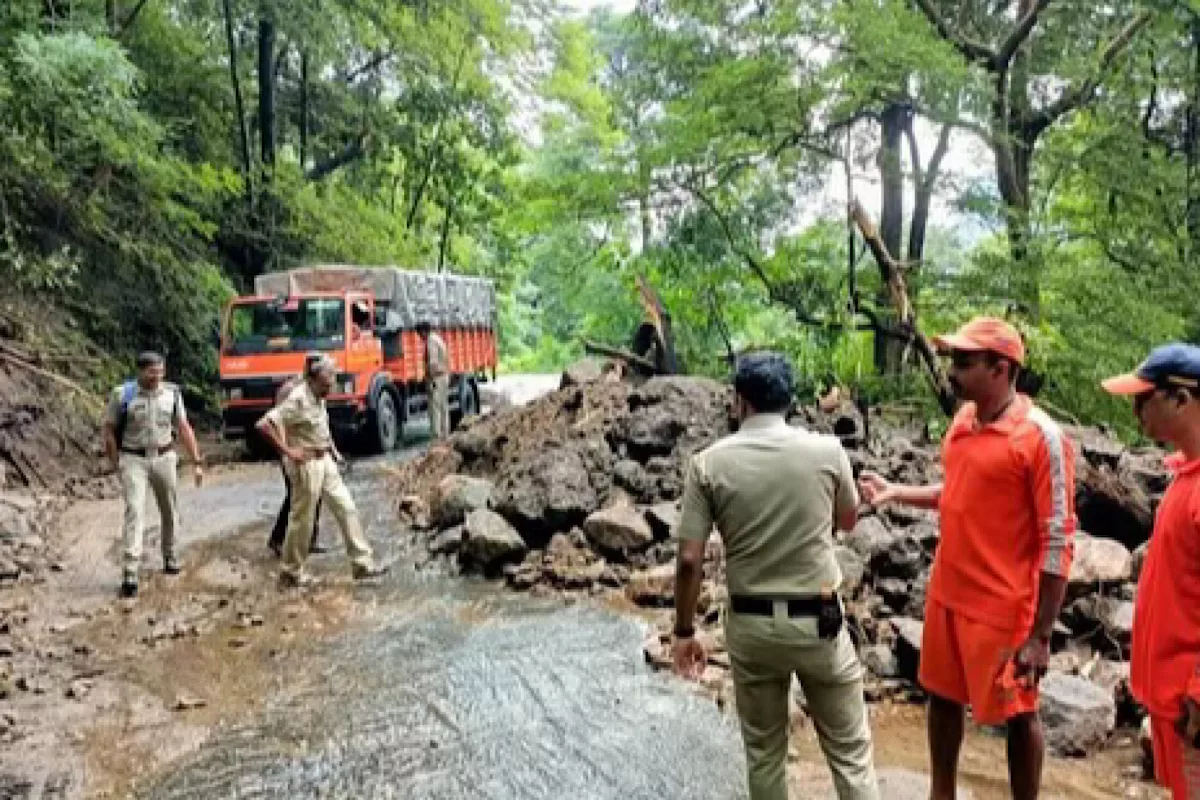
<point>147,451</point>
<point>802,606</point>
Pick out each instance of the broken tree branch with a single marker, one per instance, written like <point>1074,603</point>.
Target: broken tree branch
<point>618,353</point>
<point>5,355</point>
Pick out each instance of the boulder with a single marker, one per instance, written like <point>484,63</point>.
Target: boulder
<point>582,372</point>
<point>548,493</point>
<point>619,528</point>
<point>1099,561</point>
<point>908,645</point>
<point>1138,560</point>
<point>853,570</point>
<point>894,591</point>
<point>652,587</point>
<point>1112,506</point>
<point>663,519</point>
<point>869,538</point>
<point>448,541</point>
<point>490,540</point>
<point>903,558</point>
<point>1078,715</point>
<point>459,495</point>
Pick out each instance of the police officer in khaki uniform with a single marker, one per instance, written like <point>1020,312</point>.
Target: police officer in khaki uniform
<point>774,493</point>
<point>140,426</point>
<point>437,372</point>
<point>299,429</point>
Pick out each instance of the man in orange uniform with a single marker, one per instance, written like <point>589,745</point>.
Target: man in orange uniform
<point>1165,671</point>
<point>1007,535</point>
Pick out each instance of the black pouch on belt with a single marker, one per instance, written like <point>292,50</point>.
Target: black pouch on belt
<point>829,620</point>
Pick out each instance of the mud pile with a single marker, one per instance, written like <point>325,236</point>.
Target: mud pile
<point>578,492</point>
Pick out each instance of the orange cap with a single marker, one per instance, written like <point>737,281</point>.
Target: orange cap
<point>985,333</point>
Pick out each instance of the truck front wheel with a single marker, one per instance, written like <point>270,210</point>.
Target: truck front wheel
<point>468,402</point>
<point>383,427</point>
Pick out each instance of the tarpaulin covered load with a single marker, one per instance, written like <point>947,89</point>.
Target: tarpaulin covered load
<point>441,299</point>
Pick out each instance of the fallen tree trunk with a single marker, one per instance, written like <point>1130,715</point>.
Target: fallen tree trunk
<point>621,355</point>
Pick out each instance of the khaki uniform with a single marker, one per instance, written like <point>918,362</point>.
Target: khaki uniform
<point>438,386</point>
<point>305,424</point>
<point>151,422</point>
<point>772,491</point>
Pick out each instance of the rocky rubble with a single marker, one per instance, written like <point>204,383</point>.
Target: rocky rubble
<point>578,492</point>
<point>24,522</point>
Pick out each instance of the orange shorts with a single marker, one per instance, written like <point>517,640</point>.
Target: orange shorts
<point>970,663</point>
<point>1176,766</point>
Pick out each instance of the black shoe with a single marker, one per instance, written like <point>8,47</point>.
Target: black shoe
<point>171,569</point>
<point>315,547</point>
<point>277,549</point>
<point>367,573</point>
<point>128,589</point>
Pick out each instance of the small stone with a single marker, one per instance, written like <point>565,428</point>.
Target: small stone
<point>79,689</point>
<point>185,702</point>
<point>238,642</point>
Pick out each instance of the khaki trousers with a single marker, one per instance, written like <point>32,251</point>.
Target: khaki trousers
<point>764,653</point>
<point>439,406</point>
<point>319,479</point>
<point>160,473</point>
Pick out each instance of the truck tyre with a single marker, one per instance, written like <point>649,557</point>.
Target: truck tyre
<point>384,423</point>
<point>468,402</point>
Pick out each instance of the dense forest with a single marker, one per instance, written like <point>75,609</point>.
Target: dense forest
<point>838,178</point>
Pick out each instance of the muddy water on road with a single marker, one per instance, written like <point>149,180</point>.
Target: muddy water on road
<point>443,688</point>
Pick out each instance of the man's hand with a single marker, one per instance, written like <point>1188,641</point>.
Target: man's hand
<point>688,657</point>
<point>198,474</point>
<point>298,455</point>
<point>875,490</point>
<point>1031,661</point>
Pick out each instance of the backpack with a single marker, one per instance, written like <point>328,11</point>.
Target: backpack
<point>128,390</point>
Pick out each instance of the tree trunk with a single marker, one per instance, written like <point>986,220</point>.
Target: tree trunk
<point>1192,145</point>
<point>444,236</point>
<point>266,91</point>
<point>304,110</point>
<point>239,105</point>
<point>889,350</point>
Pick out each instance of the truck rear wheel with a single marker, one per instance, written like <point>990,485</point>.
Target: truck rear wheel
<point>382,432</point>
<point>468,402</point>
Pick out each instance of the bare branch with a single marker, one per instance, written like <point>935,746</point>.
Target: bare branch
<point>132,18</point>
<point>971,50</point>
<point>1017,37</point>
<point>1082,94</point>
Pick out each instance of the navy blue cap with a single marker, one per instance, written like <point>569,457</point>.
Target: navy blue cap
<point>1175,364</point>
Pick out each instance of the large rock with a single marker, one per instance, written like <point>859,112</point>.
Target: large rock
<point>548,493</point>
<point>489,540</point>
<point>663,519</point>
<point>620,528</point>
<point>904,559</point>
<point>1112,505</point>
<point>1078,715</point>
<point>853,570</point>
<point>1099,561</point>
<point>869,538</point>
<point>908,645</point>
<point>582,372</point>
<point>653,587</point>
<point>459,495</point>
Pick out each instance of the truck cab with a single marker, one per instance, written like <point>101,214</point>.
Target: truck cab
<point>368,333</point>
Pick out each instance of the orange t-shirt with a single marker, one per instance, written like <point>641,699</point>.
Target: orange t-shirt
<point>1007,514</point>
<point>1166,619</point>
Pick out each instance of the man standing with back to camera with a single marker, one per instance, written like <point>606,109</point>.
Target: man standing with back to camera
<point>774,493</point>
<point>1007,508</point>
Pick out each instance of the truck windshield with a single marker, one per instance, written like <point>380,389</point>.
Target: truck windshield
<point>317,323</point>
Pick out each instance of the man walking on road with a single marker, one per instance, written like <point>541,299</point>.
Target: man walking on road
<point>140,425</point>
<point>437,381</point>
<point>279,530</point>
<point>1165,667</point>
<point>774,493</point>
<point>299,430</point>
<point>1007,535</point>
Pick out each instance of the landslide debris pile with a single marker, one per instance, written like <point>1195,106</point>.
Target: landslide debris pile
<point>577,493</point>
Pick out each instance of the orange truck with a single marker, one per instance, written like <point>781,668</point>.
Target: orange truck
<point>365,319</point>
